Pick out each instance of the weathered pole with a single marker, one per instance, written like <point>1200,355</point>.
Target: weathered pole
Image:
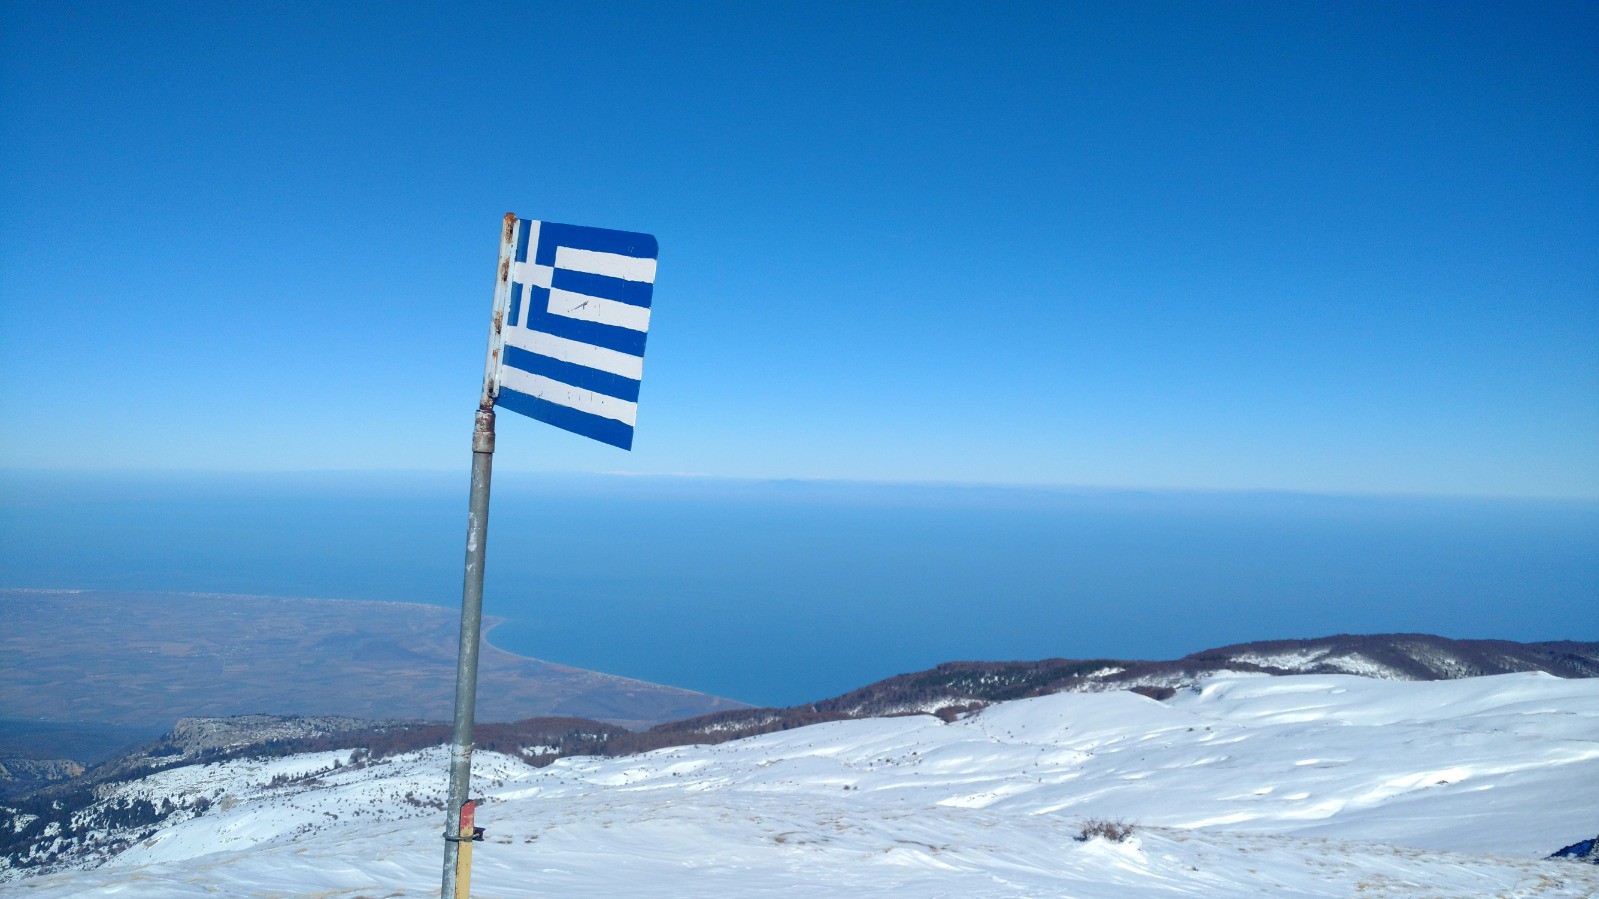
<point>477,532</point>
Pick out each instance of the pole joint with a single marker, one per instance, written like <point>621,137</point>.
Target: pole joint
<point>483,432</point>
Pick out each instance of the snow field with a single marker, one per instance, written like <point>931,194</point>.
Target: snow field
<point>1324,785</point>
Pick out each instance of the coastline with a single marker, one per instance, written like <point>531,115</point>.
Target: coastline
<point>144,658</point>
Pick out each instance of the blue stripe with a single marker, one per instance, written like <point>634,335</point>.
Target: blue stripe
<point>595,427</point>
<point>516,302</point>
<point>633,293</point>
<point>623,340</point>
<point>521,239</point>
<point>603,240</point>
<point>576,375</point>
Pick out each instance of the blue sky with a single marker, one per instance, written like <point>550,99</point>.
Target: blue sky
<point>1316,247</point>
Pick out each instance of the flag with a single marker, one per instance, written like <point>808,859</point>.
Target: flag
<point>573,334</point>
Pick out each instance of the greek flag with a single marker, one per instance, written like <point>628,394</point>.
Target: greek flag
<point>574,327</point>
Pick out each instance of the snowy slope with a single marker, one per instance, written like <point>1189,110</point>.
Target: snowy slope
<point>1322,785</point>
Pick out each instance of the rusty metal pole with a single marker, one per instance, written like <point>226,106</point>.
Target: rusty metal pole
<point>477,532</point>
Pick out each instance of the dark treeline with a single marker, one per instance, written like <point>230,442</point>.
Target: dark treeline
<point>946,691</point>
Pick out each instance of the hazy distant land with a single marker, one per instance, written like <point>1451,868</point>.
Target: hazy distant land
<point>779,592</point>
<point>143,660</point>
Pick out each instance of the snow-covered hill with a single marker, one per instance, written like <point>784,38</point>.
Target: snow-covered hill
<point>954,687</point>
<point>1317,785</point>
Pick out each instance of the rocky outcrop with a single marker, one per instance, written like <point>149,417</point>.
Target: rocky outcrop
<point>1581,851</point>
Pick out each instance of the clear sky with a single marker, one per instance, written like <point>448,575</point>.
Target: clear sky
<point>1304,246</point>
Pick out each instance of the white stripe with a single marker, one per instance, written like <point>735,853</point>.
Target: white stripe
<point>595,309</point>
<point>624,364</point>
<point>614,265</point>
<point>528,273</point>
<point>533,228</point>
<point>569,396</point>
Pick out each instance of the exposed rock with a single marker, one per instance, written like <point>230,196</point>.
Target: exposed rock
<point>196,735</point>
<point>1581,851</point>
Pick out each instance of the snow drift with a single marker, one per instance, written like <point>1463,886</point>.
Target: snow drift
<point>1316,785</point>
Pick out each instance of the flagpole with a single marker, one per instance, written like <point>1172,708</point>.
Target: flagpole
<point>456,879</point>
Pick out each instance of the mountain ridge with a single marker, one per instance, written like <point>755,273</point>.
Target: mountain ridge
<point>948,690</point>
<point>1243,784</point>
<point>953,688</point>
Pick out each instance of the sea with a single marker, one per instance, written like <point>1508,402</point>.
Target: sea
<point>783,592</point>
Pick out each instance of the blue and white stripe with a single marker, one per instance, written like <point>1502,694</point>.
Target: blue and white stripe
<point>573,335</point>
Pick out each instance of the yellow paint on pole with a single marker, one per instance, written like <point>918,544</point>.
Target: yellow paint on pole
<point>463,871</point>
<point>463,858</point>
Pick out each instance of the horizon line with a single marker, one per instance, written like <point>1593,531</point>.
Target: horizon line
<point>1035,486</point>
